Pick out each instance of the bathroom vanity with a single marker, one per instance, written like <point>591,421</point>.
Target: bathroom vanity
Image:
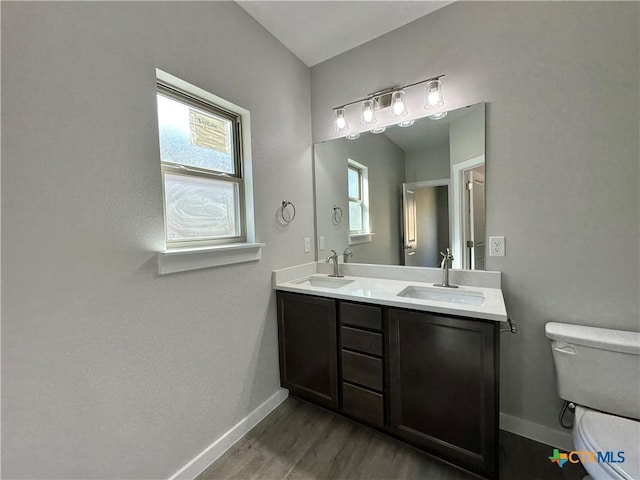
<point>387,354</point>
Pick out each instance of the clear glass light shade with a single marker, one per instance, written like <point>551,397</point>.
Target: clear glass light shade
<point>406,123</point>
<point>368,112</point>
<point>378,130</point>
<point>438,116</point>
<point>398,104</point>
<point>353,136</point>
<point>434,94</point>
<point>341,121</point>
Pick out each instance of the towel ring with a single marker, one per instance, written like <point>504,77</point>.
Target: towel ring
<point>289,218</point>
<point>337,214</point>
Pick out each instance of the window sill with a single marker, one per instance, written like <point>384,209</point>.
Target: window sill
<point>357,238</point>
<point>184,259</point>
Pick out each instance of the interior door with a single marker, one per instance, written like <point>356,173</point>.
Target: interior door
<point>477,219</point>
<point>409,234</point>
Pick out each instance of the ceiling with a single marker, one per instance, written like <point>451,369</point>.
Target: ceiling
<point>318,30</point>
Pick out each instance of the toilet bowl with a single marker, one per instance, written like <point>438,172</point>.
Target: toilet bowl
<point>598,370</point>
<point>616,438</point>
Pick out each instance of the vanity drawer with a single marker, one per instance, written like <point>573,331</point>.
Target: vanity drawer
<point>363,404</point>
<point>362,369</point>
<point>361,340</point>
<point>364,316</point>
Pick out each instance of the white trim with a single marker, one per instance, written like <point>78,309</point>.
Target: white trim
<point>214,451</point>
<point>184,259</point>
<point>358,238</point>
<point>455,199</point>
<point>429,183</point>
<point>540,433</point>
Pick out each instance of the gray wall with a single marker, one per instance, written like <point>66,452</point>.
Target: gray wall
<point>385,161</point>
<point>466,135</point>
<point>428,164</point>
<point>561,82</point>
<point>109,371</point>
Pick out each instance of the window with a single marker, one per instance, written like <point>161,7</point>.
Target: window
<point>356,206</point>
<point>358,191</point>
<point>205,156</point>
<point>201,157</point>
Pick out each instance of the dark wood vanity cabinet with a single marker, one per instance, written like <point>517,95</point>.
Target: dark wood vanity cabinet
<point>362,362</point>
<point>308,347</point>
<point>430,380</point>
<point>443,386</point>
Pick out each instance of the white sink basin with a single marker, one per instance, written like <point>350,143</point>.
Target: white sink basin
<point>325,282</point>
<point>442,294</point>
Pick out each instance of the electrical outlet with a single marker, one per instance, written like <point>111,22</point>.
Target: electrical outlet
<point>321,243</point>
<point>307,244</point>
<point>496,246</point>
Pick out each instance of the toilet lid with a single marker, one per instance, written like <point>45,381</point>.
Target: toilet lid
<point>608,433</point>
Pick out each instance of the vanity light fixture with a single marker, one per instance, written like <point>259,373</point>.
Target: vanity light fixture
<point>406,123</point>
<point>341,122</point>
<point>434,94</point>
<point>368,112</point>
<point>353,136</point>
<point>378,130</point>
<point>393,98</point>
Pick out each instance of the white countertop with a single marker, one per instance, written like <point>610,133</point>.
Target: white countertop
<point>385,292</point>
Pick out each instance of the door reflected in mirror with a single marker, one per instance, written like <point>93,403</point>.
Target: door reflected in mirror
<point>407,194</point>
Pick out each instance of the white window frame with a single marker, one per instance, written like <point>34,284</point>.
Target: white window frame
<point>181,256</point>
<point>364,235</point>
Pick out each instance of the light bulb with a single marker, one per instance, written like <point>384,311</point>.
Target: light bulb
<point>398,105</point>
<point>368,112</point>
<point>353,136</point>
<point>407,123</point>
<point>434,94</point>
<point>378,130</point>
<point>341,121</point>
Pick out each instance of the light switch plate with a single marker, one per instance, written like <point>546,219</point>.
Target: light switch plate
<point>496,246</point>
<point>307,244</point>
<point>321,243</point>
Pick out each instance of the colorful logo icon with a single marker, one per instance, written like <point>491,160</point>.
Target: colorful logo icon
<point>559,458</point>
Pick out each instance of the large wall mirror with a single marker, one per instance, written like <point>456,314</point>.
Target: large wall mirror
<point>403,196</point>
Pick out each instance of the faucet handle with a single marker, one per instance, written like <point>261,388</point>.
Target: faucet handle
<point>447,255</point>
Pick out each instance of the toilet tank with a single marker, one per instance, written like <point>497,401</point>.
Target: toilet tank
<point>597,367</point>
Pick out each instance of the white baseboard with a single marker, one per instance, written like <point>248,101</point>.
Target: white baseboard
<point>540,433</point>
<point>210,454</point>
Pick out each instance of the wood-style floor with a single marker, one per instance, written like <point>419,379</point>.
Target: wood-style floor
<point>301,441</point>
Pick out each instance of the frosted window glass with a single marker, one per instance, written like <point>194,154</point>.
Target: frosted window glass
<point>355,217</point>
<point>354,183</point>
<point>199,207</point>
<point>193,137</point>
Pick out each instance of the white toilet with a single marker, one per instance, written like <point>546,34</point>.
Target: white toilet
<point>598,370</point>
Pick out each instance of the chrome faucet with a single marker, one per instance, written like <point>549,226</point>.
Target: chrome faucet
<point>346,254</point>
<point>446,265</point>
<point>334,257</point>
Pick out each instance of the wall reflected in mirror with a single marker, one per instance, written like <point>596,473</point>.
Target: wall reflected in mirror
<point>405,195</point>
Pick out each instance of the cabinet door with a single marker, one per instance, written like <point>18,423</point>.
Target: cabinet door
<point>307,333</point>
<point>443,386</point>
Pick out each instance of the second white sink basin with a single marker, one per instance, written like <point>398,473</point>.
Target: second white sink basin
<point>325,282</point>
<point>442,294</point>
